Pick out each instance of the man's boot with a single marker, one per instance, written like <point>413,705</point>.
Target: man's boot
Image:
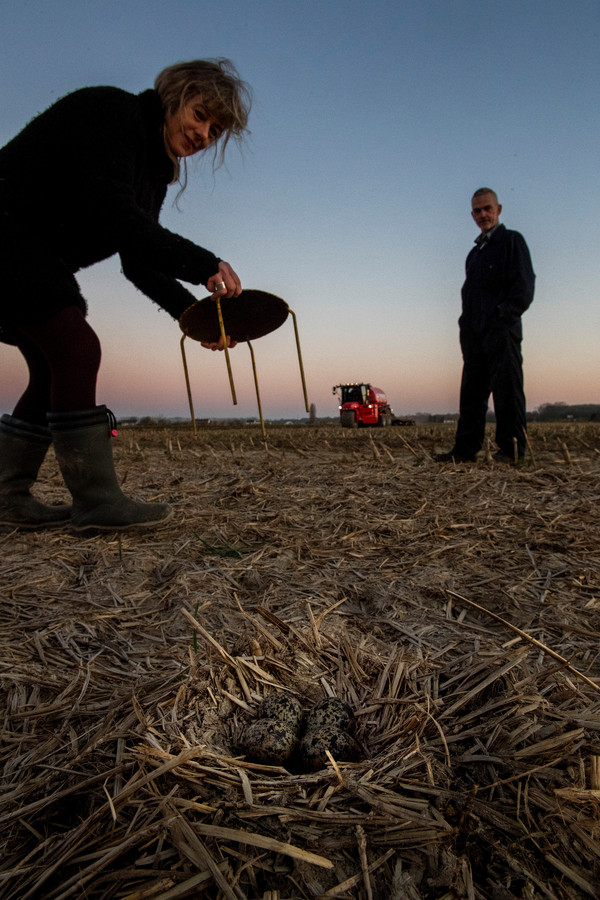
<point>82,443</point>
<point>456,456</point>
<point>23,447</point>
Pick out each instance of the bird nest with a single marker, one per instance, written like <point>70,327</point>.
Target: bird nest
<point>455,608</point>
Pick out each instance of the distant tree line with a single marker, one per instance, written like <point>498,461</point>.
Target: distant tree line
<point>547,412</point>
<point>555,412</point>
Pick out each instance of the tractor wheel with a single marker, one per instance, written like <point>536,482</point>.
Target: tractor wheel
<point>348,418</point>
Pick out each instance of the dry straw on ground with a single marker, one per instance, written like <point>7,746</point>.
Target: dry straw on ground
<point>455,608</point>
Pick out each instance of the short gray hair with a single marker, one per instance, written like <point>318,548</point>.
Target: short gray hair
<point>485,190</point>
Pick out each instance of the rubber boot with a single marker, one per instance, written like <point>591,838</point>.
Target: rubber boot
<point>82,444</point>
<point>23,447</point>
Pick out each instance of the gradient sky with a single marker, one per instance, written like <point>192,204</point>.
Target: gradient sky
<point>373,123</point>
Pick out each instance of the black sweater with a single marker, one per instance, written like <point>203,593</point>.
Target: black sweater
<point>499,284</point>
<point>87,179</point>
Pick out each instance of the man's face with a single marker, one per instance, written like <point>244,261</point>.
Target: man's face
<point>485,210</point>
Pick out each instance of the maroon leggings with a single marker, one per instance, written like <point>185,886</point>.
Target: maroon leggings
<point>63,357</point>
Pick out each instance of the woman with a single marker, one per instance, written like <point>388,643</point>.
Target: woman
<point>82,181</point>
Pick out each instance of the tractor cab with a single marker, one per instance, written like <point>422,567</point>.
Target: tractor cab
<point>353,393</point>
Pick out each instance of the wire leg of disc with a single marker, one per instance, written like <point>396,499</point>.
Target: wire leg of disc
<point>187,384</point>
<point>300,359</point>
<point>262,423</point>
<point>225,348</point>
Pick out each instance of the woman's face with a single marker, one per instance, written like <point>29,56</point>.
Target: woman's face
<point>191,128</point>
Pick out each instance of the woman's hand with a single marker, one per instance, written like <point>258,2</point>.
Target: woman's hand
<point>225,283</point>
<point>218,345</point>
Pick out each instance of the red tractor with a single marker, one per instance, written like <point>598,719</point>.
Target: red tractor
<point>362,404</point>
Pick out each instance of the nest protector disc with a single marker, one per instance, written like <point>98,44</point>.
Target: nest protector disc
<point>249,316</point>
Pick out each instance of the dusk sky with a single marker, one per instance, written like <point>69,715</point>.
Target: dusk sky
<point>373,123</point>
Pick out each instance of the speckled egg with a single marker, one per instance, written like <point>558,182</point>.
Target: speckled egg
<point>331,711</point>
<point>268,741</point>
<point>340,744</point>
<point>285,709</point>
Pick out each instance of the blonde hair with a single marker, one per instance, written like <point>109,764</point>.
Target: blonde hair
<point>224,94</point>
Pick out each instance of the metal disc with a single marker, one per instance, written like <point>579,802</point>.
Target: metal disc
<point>246,318</point>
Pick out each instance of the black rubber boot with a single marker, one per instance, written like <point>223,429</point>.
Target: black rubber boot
<point>456,456</point>
<point>82,443</point>
<point>23,447</point>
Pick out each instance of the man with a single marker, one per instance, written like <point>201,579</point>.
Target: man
<point>498,289</point>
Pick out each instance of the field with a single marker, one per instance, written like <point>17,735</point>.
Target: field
<point>455,608</point>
